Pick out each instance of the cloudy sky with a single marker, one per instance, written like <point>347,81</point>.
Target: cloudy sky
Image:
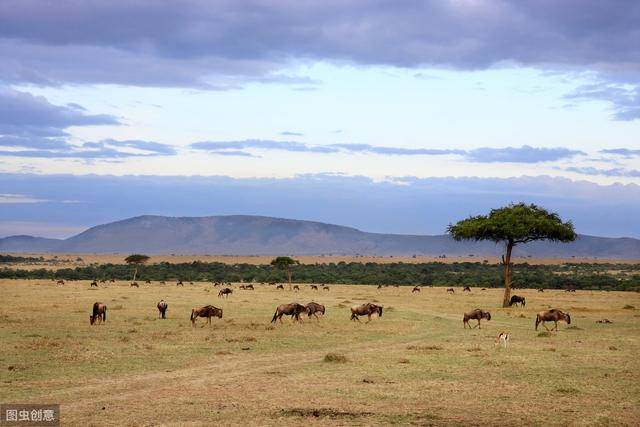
<point>478,95</point>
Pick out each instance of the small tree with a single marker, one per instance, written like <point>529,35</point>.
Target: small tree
<point>137,260</point>
<point>285,263</point>
<point>513,224</point>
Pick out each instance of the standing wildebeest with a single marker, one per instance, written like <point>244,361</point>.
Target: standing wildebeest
<point>451,290</point>
<point>296,288</point>
<point>379,286</point>
<point>475,314</point>
<point>225,292</point>
<point>207,311</point>
<point>249,288</point>
<point>179,283</point>
<point>540,290</point>
<point>325,288</point>
<point>368,309</point>
<point>60,282</point>
<point>99,313</point>
<point>162,309</point>
<point>517,300</point>
<point>570,290</point>
<point>552,315</point>
<point>93,284</point>
<point>415,289</point>
<point>466,289</point>
<point>294,309</point>
<point>314,287</point>
<point>315,308</point>
<point>134,285</point>
<point>280,287</point>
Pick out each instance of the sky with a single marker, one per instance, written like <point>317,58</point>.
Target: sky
<point>361,113</point>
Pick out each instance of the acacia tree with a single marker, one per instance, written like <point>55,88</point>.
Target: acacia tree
<point>513,225</point>
<point>285,263</point>
<point>137,260</point>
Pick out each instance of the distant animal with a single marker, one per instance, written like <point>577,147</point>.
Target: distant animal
<point>99,313</point>
<point>162,309</point>
<point>604,321</point>
<point>272,283</point>
<point>451,290</point>
<point>540,290</point>
<point>325,288</point>
<point>207,311</point>
<point>296,288</point>
<point>93,284</point>
<point>60,282</point>
<point>415,289</point>
<point>103,281</point>
<point>134,285</point>
<point>503,338</point>
<point>225,292</point>
<point>148,282</point>
<point>515,300</point>
<point>216,284</point>
<point>314,287</point>
<point>294,310</point>
<point>313,308</point>
<point>466,289</point>
<point>368,309</point>
<point>379,286</point>
<point>179,283</point>
<point>249,287</point>
<point>112,281</point>
<point>280,287</point>
<point>553,315</point>
<point>483,289</point>
<point>570,290</point>
<point>476,314</point>
<point>191,283</point>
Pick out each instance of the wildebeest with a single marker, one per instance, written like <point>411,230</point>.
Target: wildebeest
<point>483,289</point>
<point>476,314</point>
<point>315,308</point>
<point>570,290</point>
<point>368,309</point>
<point>515,299</point>
<point>99,313</point>
<point>162,309</point>
<point>247,287</point>
<point>280,287</point>
<point>553,315</point>
<point>179,283</point>
<point>296,288</point>
<point>294,310</point>
<point>225,292</point>
<point>604,321</point>
<point>415,289</point>
<point>379,286</point>
<point>148,282</point>
<point>314,287</point>
<point>93,284</point>
<point>60,282</point>
<point>325,288</point>
<point>540,290</point>
<point>207,311</point>
<point>134,285</point>
<point>451,290</point>
<point>466,289</point>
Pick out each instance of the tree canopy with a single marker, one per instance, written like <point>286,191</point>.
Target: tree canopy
<point>137,259</point>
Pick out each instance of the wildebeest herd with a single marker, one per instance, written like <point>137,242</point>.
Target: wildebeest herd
<point>295,310</point>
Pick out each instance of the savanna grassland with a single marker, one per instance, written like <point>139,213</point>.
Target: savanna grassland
<point>414,365</point>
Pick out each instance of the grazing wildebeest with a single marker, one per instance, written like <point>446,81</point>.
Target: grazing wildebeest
<point>368,309</point>
<point>179,283</point>
<point>570,290</point>
<point>604,321</point>
<point>93,284</point>
<point>225,292</point>
<point>99,313</point>
<point>517,300</point>
<point>314,287</point>
<point>483,289</point>
<point>294,309</point>
<point>451,290</point>
<point>248,288</point>
<point>241,287</point>
<point>466,289</point>
<point>476,314</point>
<point>103,281</point>
<point>296,288</point>
<point>216,284</point>
<point>280,287</point>
<point>415,289</point>
<point>162,309</point>
<point>540,290</point>
<point>60,282</point>
<point>325,288</point>
<point>379,286</point>
<point>207,311</point>
<point>553,315</point>
<point>315,308</point>
<point>134,285</point>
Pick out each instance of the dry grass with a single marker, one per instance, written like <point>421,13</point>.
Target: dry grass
<point>415,365</point>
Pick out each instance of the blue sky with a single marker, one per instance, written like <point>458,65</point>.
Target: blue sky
<point>374,90</point>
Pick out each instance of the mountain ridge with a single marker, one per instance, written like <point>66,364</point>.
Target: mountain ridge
<point>263,235</point>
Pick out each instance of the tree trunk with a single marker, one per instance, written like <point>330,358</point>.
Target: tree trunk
<point>135,273</point>
<point>289,276</point>
<point>506,263</point>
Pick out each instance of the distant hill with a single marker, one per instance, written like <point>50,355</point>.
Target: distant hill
<point>256,235</point>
